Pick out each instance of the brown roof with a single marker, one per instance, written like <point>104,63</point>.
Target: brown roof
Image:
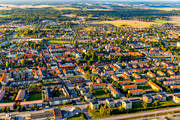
<point>113,89</point>
<point>135,91</point>
<point>128,86</point>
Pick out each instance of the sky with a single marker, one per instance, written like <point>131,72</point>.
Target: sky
<point>89,0</point>
<point>49,1</point>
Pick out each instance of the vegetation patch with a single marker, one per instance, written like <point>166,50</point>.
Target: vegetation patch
<point>35,96</point>
<point>79,116</point>
<point>129,23</point>
<point>100,93</point>
<point>59,42</point>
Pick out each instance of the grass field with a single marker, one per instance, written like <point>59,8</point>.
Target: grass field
<point>59,42</point>
<point>99,93</point>
<point>175,20</point>
<point>130,23</point>
<point>160,21</point>
<point>97,9</point>
<point>4,16</point>
<point>69,15</point>
<point>164,8</point>
<point>66,8</point>
<point>74,77</point>
<point>35,96</point>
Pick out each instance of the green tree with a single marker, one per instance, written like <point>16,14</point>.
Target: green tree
<point>7,64</point>
<point>22,61</point>
<point>145,105</point>
<point>101,111</point>
<point>121,109</point>
<point>156,103</point>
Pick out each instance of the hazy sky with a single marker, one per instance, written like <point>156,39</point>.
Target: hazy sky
<point>87,0</point>
<point>53,1</point>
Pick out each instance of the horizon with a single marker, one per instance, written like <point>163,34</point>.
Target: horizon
<point>65,1</point>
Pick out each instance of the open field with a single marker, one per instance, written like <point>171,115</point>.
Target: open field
<point>164,8</point>
<point>175,20</point>
<point>130,23</point>
<point>97,9</point>
<point>4,16</point>
<point>59,42</point>
<point>66,8</point>
<point>69,15</point>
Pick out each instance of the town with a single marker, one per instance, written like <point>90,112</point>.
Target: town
<point>78,68</point>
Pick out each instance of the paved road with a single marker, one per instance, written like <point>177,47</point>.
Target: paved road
<point>140,114</point>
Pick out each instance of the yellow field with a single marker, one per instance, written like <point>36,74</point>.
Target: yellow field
<point>97,9</point>
<point>130,23</point>
<point>59,42</point>
<point>69,15</point>
<point>67,8</point>
<point>175,20</point>
<point>166,9</point>
<point>3,16</point>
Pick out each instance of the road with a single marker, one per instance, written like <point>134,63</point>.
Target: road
<point>140,114</point>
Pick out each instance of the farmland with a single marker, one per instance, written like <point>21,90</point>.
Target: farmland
<point>130,23</point>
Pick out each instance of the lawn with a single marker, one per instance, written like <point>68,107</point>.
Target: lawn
<point>59,42</point>
<point>144,87</point>
<point>168,103</point>
<point>35,96</point>
<point>74,77</point>
<point>80,116</point>
<point>99,93</point>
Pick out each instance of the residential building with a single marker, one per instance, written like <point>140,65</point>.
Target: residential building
<point>20,96</point>
<point>136,92</point>
<point>140,81</point>
<point>130,87</point>
<point>154,86</point>
<point>110,102</point>
<point>94,104</point>
<point>116,93</point>
<point>176,98</point>
<point>127,104</point>
<point>147,98</point>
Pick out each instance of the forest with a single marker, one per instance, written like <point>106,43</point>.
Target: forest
<point>33,15</point>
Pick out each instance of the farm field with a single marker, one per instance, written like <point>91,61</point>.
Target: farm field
<point>165,8</point>
<point>130,23</point>
<point>175,20</point>
<point>66,8</point>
